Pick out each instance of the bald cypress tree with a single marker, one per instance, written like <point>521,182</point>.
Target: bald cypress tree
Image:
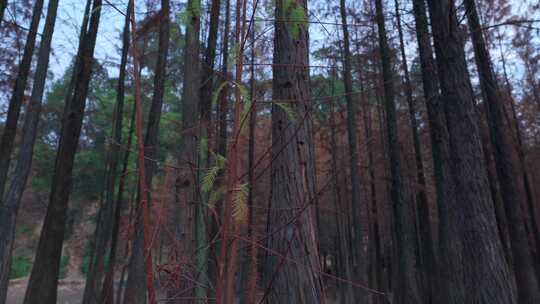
<point>17,96</point>
<point>42,286</point>
<point>292,167</point>
<point>473,267</point>
<point>8,214</point>
<point>358,257</point>
<point>3,5</point>
<point>505,160</point>
<point>136,283</point>
<point>407,289</point>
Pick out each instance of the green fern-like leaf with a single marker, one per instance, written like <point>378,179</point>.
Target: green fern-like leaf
<point>220,160</point>
<point>240,207</point>
<point>287,109</point>
<point>215,196</point>
<point>209,179</point>
<point>216,93</point>
<point>202,147</point>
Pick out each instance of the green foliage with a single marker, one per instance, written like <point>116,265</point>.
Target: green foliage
<point>43,164</point>
<point>202,146</point>
<point>64,261</point>
<point>20,267</point>
<point>89,173</point>
<point>87,256</point>
<point>233,55</point>
<point>287,109</point>
<point>23,229</point>
<point>193,12</point>
<point>219,159</point>
<point>295,16</point>
<point>215,196</point>
<point>246,107</point>
<point>209,179</point>
<point>216,93</point>
<point>240,208</point>
<point>212,173</point>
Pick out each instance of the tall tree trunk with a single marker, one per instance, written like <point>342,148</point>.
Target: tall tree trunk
<point>343,267</point>
<point>526,281</point>
<point>246,287</point>
<point>107,291</point>
<point>42,285</point>
<point>521,154</point>
<point>473,269</point>
<point>3,5</point>
<point>107,294</point>
<point>207,79</point>
<point>495,189</point>
<point>293,261</point>
<point>426,258</point>
<point>187,176</point>
<point>106,217</point>
<point>137,275</point>
<point>359,218</point>
<point>377,259</point>
<point>234,218</point>
<point>221,138</point>
<point>17,96</point>
<point>223,106</point>
<point>407,290</point>
<point>440,149</point>
<point>8,212</point>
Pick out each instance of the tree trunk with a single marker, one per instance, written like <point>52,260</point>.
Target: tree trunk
<point>407,290</point>
<point>205,129</point>
<point>135,285</point>
<point>107,291</point>
<point>223,106</point>
<point>187,176</point>
<point>42,286</point>
<point>473,269</point>
<point>444,184</point>
<point>293,263</point>
<point>106,215</point>
<point>343,265</point>
<point>234,218</point>
<point>426,257</point>
<point>8,214</point>
<point>521,154</point>
<point>221,138</point>
<point>246,286</point>
<point>527,285</point>
<point>376,256</point>
<point>360,235</point>
<point>17,96</point>
<point>3,5</point>
<point>207,79</point>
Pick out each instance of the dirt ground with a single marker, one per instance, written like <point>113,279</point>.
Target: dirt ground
<point>68,292</point>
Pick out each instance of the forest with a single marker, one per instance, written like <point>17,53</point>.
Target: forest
<point>270,151</point>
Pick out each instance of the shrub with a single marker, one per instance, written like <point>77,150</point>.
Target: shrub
<point>20,267</point>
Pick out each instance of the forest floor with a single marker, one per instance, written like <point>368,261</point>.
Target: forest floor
<point>68,292</point>
<point>71,286</point>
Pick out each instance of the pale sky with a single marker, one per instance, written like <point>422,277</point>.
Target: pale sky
<point>70,13</point>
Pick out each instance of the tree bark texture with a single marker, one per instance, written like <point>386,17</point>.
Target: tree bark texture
<point>473,269</point>
<point>17,96</point>
<point>9,211</point>
<point>293,263</point>
<point>42,285</point>
<point>505,160</point>
<point>407,289</point>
